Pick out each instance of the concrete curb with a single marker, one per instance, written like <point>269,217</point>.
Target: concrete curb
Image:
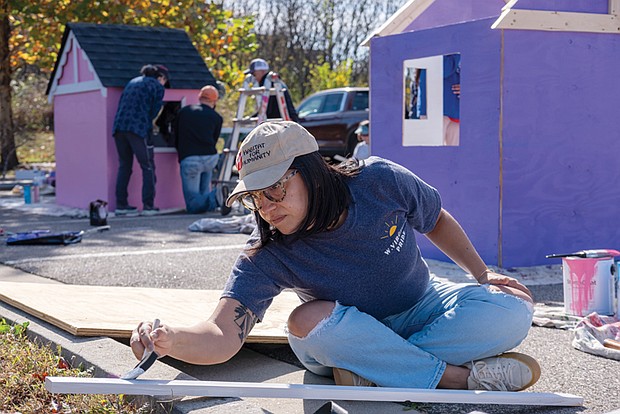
<point>110,358</point>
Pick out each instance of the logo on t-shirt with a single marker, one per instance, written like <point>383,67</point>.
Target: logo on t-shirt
<point>395,233</point>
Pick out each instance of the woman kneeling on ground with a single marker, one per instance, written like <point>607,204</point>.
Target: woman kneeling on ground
<point>342,238</point>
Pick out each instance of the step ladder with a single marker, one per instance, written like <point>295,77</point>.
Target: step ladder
<point>273,86</point>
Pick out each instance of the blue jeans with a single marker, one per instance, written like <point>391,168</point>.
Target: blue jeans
<point>196,173</point>
<point>452,324</point>
<point>128,145</point>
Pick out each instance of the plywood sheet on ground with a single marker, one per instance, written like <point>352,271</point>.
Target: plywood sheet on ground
<point>116,311</point>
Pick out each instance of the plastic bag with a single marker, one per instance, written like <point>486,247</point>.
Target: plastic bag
<point>44,237</point>
<point>238,224</point>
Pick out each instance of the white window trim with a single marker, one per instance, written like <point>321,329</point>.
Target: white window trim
<point>429,131</point>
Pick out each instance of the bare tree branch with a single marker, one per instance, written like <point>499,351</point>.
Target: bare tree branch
<point>295,35</point>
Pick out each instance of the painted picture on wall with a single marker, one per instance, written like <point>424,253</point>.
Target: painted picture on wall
<point>432,90</point>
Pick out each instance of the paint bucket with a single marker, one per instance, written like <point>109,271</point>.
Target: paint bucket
<point>98,213</point>
<point>35,195</point>
<point>589,285</point>
<point>27,194</point>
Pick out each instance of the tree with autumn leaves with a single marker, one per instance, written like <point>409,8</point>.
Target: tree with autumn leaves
<point>31,32</point>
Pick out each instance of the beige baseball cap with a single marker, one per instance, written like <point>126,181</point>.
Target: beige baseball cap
<point>267,153</point>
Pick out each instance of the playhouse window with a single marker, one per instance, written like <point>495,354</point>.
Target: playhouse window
<point>164,124</point>
<point>431,91</point>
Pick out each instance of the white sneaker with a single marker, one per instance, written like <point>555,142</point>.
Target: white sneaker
<point>511,371</point>
<point>129,211</point>
<point>153,211</point>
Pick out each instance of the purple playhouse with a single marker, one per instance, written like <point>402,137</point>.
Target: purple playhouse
<point>536,160</point>
<point>94,64</point>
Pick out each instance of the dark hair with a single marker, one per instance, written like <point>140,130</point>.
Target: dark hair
<point>150,71</point>
<point>328,197</point>
<point>155,71</point>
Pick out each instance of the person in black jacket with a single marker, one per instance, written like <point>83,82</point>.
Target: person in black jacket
<point>197,130</point>
<point>259,68</point>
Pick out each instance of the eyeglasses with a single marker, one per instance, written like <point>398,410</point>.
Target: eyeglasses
<point>275,193</point>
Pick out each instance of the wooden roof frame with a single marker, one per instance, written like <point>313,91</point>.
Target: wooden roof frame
<point>559,21</point>
<point>514,19</point>
<point>400,20</point>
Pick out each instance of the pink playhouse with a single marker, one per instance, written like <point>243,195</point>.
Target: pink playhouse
<point>534,168</point>
<point>94,64</point>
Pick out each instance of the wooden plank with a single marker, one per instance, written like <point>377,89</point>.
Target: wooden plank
<point>115,311</point>
<point>72,385</point>
<point>557,21</point>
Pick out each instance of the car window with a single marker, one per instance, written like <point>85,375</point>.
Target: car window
<point>333,102</point>
<point>325,103</point>
<point>311,106</point>
<point>360,101</point>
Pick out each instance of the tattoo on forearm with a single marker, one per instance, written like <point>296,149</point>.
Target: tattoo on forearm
<point>245,320</point>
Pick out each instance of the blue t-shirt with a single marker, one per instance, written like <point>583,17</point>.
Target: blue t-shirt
<point>372,261</point>
<point>139,105</point>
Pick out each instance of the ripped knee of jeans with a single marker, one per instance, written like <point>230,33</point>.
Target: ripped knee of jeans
<point>315,331</point>
<point>308,319</point>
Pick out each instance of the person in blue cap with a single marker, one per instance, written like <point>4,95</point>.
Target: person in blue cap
<point>362,149</point>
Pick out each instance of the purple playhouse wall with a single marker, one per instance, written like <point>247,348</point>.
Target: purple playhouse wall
<point>558,137</point>
<point>467,175</point>
<point>561,144</point>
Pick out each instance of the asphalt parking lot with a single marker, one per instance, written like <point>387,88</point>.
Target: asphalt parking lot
<point>160,252</point>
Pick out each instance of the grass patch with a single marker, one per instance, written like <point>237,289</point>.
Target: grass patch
<point>35,147</point>
<point>24,365</point>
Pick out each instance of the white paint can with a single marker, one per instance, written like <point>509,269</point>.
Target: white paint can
<point>589,285</point>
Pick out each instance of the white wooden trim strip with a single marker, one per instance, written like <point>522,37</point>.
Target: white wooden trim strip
<point>71,88</point>
<point>73,385</point>
<point>76,54</point>
<point>61,65</point>
<point>614,7</point>
<point>76,86</point>
<point>557,21</point>
<point>400,20</point>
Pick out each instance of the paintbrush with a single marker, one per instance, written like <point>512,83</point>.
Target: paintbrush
<point>148,359</point>
<point>596,253</point>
